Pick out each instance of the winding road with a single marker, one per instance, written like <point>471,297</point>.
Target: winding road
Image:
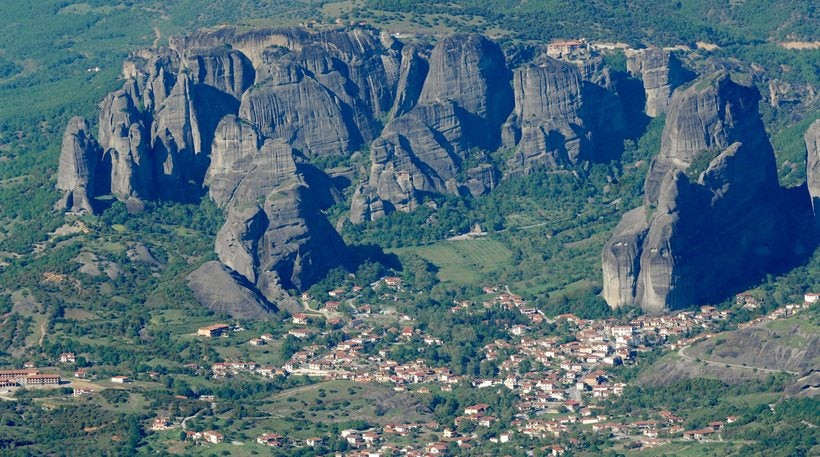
<point>725,364</point>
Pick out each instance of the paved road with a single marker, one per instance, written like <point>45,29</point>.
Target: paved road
<point>686,356</point>
<point>183,425</point>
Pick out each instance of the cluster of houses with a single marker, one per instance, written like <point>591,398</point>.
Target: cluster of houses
<point>786,311</point>
<point>561,383</point>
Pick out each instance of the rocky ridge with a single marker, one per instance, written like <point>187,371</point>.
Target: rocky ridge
<point>242,115</point>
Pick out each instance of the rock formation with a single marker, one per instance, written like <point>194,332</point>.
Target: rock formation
<point>218,288</point>
<point>465,97</point>
<point>366,205</point>
<point>128,165</point>
<point>79,157</point>
<point>248,117</point>
<point>222,68</point>
<point>546,126</point>
<point>275,235</point>
<point>661,73</point>
<point>713,215</point>
<point>704,119</point>
<point>812,138</point>
<point>471,71</point>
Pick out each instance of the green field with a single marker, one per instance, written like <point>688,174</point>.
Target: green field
<point>464,261</point>
<point>688,449</point>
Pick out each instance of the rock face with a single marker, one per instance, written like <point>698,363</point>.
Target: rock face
<point>812,138</point>
<point>546,126</point>
<point>248,116</point>
<point>221,290</point>
<point>128,165</point>
<point>225,69</point>
<point>463,101</point>
<point>79,158</point>
<point>275,235</point>
<point>412,74</point>
<point>245,166</point>
<point>713,219</point>
<point>417,153</point>
<point>661,73</point>
<point>704,119</point>
<point>471,71</point>
<point>366,205</point>
<point>173,131</point>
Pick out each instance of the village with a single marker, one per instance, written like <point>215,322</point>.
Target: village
<point>561,396</point>
<point>559,382</point>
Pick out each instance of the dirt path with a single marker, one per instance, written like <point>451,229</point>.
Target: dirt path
<point>688,357</point>
<point>43,327</point>
<point>286,393</point>
<point>682,449</point>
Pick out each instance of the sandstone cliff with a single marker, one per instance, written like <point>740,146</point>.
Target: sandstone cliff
<point>714,213</point>
<point>546,126</point>
<point>79,157</point>
<point>661,73</point>
<point>705,118</point>
<point>812,138</point>
<point>275,234</point>
<point>247,116</point>
<point>465,97</point>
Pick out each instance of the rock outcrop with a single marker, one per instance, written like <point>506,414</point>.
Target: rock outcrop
<point>412,74</point>
<point>245,166</point>
<point>812,138</point>
<point>219,289</point>
<point>465,98</point>
<point>704,119</point>
<point>222,68</point>
<point>127,163</point>
<point>471,71</point>
<point>546,126</point>
<point>713,219</point>
<point>294,106</point>
<point>661,73</point>
<point>248,117</point>
<point>275,235</point>
<point>366,205</point>
<point>418,153</point>
<point>79,157</point>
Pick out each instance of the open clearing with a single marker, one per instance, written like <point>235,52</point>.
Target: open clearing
<point>463,261</point>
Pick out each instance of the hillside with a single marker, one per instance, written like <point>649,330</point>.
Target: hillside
<point>783,346</point>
